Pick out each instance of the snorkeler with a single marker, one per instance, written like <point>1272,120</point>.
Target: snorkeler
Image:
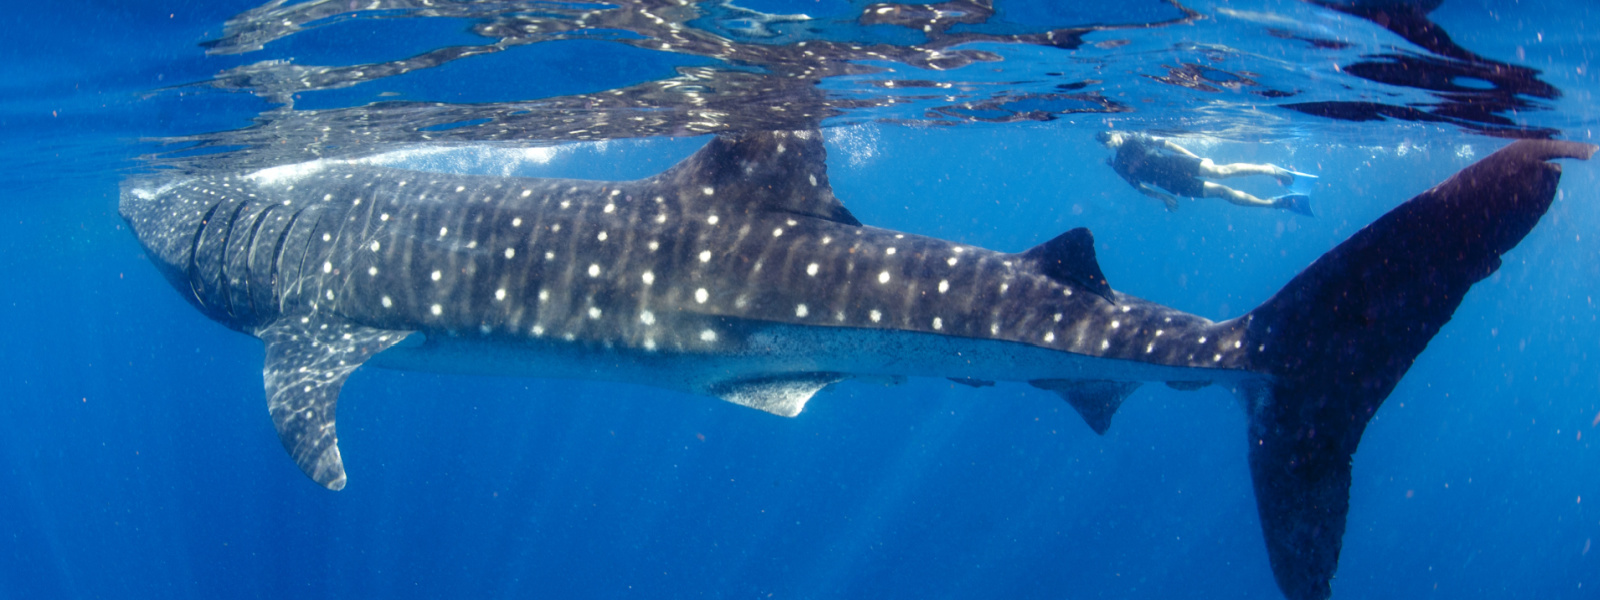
<point>1163,170</point>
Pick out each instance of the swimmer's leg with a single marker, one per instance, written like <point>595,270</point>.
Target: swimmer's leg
<point>1216,171</point>
<point>1217,190</point>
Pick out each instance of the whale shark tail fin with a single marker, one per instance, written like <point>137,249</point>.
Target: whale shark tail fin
<point>1337,339</point>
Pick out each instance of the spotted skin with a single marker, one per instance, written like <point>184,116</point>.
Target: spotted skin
<point>737,274</point>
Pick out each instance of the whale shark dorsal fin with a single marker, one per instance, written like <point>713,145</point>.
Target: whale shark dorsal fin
<point>308,360</point>
<point>781,171</point>
<point>784,395</point>
<point>1069,259</point>
<point>1095,400</point>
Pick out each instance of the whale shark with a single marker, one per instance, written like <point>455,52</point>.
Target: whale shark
<point>738,274</point>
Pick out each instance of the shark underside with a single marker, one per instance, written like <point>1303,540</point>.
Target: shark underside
<point>737,274</point>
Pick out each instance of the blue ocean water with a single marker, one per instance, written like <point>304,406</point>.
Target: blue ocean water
<point>136,459</point>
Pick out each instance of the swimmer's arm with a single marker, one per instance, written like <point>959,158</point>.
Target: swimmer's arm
<point>1146,189</point>
<point>1179,149</point>
<point>1168,199</point>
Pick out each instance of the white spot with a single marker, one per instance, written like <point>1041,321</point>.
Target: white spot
<point>511,252</point>
<point>388,302</point>
<point>890,251</point>
<point>952,261</point>
<point>436,310</point>
<point>661,218</point>
<point>813,180</point>
<point>801,311</point>
<point>944,286</point>
<point>1127,308</point>
<point>1237,344</point>
<point>1004,287</point>
<point>1160,332</point>
<point>826,240</point>
<point>647,317</point>
<point>705,256</point>
<point>517,222</point>
<point>383,217</point>
<point>1150,347</point>
<point>1066,291</point>
<point>654,245</point>
<point>555,228</point>
<point>876,316</point>
<point>709,190</point>
<point>327,237</point>
<point>601,236</point>
<point>460,188</point>
<point>994,329</point>
<point>711,219</point>
<point>330,294</point>
<point>526,193</point>
<point>372,271</point>
<point>883,277</point>
<point>436,275</point>
<point>899,236</point>
<point>327,267</point>
<point>938,323</point>
<point>538,330</point>
<point>650,344</point>
<point>648,277</point>
<point>777,232</point>
<point>701,295</point>
<point>1050,337</point>
<point>1217,358</point>
<point>549,256</point>
<point>375,245</point>
<point>1202,339</point>
<point>594,270</point>
<point>1058,317</point>
<point>544,295</point>
<point>443,231</point>
<point>1116,324</point>
<point>594,312</point>
<point>1105,344</point>
<point>610,208</point>
<point>327,197</point>
<point>811,269</point>
<point>566,203</point>
<point>500,294</point>
<point>708,335</point>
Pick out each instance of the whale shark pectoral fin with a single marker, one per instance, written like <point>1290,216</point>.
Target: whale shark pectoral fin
<point>783,395</point>
<point>1069,259</point>
<point>308,360</point>
<point>1095,400</point>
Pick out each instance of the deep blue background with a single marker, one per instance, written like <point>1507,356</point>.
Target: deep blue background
<point>137,459</point>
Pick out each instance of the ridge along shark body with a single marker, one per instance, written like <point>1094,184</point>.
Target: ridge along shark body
<point>738,274</point>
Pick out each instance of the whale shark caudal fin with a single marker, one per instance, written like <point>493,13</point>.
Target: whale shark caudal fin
<point>1340,335</point>
<point>308,360</point>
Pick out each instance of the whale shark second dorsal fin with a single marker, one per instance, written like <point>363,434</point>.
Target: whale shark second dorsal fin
<point>780,171</point>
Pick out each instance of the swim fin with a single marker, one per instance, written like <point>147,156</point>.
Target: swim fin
<point>1295,203</point>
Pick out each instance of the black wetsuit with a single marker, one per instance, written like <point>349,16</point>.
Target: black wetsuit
<point>1145,159</point>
